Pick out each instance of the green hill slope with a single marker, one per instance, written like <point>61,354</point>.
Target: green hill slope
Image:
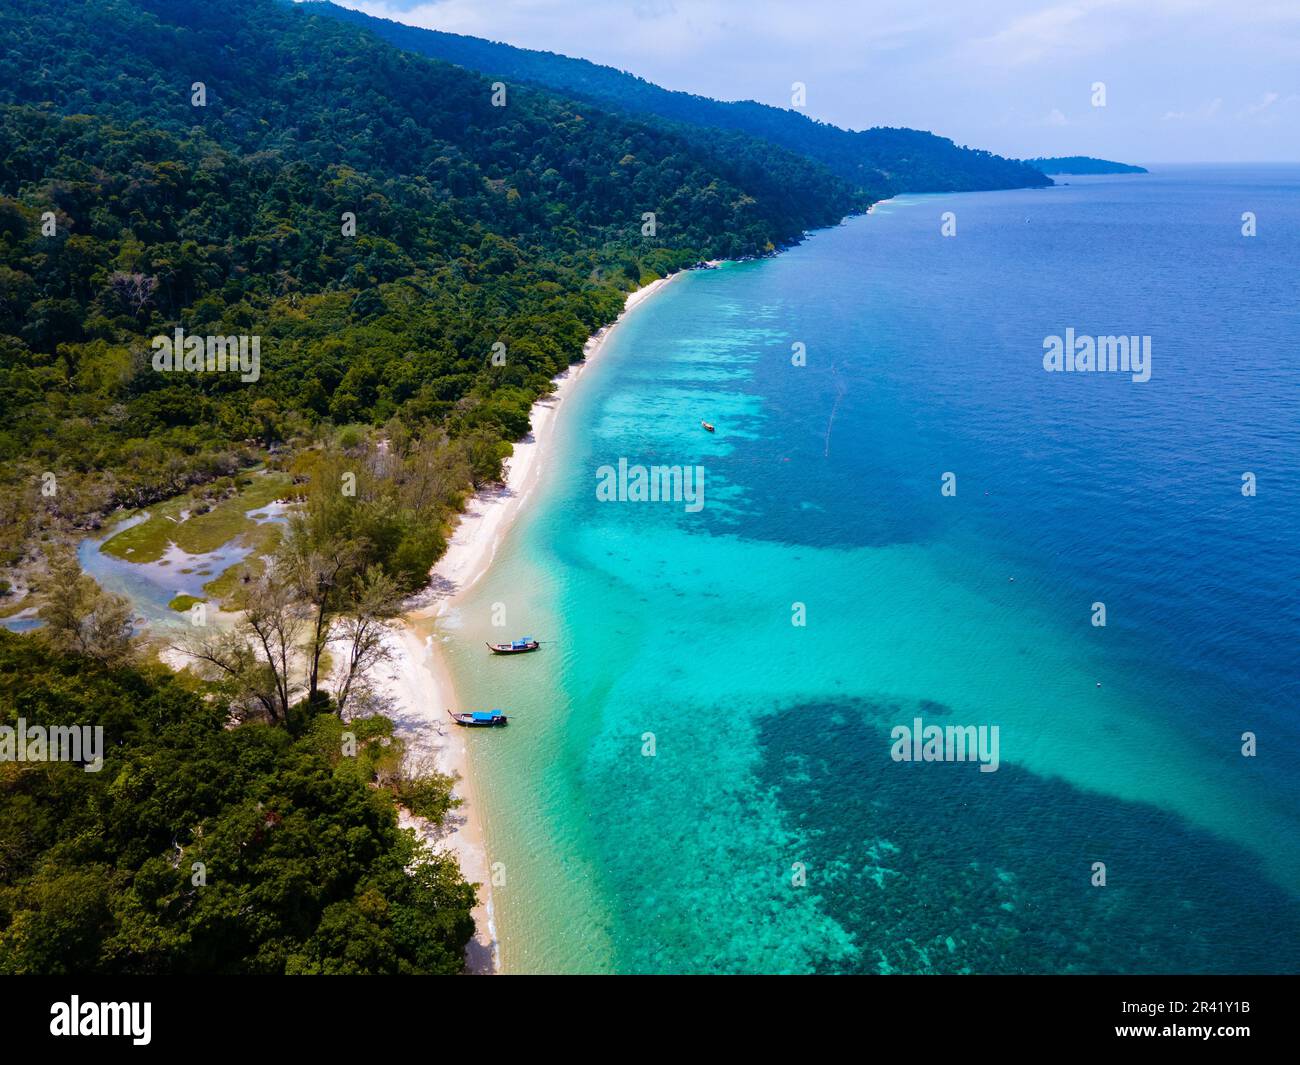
<point>475,225</point>
<point>878,161</point>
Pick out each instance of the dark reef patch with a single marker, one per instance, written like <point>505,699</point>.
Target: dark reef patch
<point>939,868</point>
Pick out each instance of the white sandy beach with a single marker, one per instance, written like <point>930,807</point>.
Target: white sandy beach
<point>491,512</point>
<point>417,688</point>
<point>416,680</point>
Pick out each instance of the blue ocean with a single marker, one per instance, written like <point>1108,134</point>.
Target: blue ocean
<point>905,516</point>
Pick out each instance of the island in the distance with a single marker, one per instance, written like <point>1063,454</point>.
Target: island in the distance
<point>1083,164</point>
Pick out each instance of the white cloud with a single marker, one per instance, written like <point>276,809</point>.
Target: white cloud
<point>1201,114</point>
<point>1033,37</point>
<point>1260,106</point>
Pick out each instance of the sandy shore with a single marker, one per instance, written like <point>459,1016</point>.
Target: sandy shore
<point>491,512</point>
<point>417,689</point>
<point>416,680</point>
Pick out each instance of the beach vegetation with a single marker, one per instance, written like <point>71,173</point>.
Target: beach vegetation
<point>201,847</point>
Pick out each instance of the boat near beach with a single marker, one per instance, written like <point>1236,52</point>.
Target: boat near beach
<point>480,719</point>
<point>515,647</point>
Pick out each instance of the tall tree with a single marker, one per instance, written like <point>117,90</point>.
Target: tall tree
<point>256,660</point>
<point>319,566</point>
<point>81,617</point>
<point>373,601</point>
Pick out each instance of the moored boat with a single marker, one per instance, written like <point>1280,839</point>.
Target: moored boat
<point>515,647</point>
<point>708,426</point>
<point>480,719</point>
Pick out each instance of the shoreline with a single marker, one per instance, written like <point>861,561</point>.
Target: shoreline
<point>418,681</point>
<point>490,513</point>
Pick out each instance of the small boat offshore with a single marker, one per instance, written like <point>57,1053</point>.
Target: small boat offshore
<point>481,719</point>
<point>515,647</point>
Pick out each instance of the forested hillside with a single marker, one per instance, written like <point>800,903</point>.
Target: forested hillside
<point>475,225</point>
<point>879,161</point>
<point>198,848</point>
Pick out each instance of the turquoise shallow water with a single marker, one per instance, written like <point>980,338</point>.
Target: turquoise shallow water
<point>771,831</point>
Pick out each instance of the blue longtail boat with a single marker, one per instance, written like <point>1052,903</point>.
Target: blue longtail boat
<point>480,719</point>
<point>515,647</point>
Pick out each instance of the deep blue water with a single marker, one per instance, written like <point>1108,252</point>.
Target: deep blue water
<point>1119,744</point>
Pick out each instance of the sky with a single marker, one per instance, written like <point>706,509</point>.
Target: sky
<point>1184,80</point>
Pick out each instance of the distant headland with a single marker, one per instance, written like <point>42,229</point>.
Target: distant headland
<point>1083,164</point>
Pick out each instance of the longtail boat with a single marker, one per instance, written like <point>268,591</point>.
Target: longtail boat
<point>515,647</point>
<point>480,719</point>
<point>708,426</point>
